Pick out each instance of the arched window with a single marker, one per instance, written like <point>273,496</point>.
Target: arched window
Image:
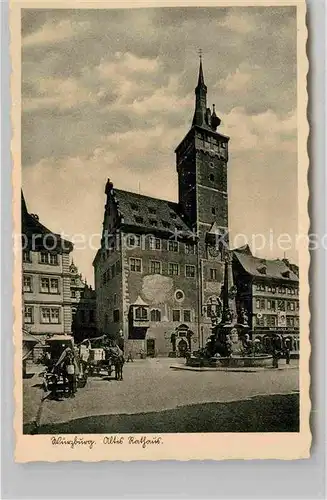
<point>141,313</point>
<point>155,315</point>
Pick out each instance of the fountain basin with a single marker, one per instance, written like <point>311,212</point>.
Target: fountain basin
<point>245,361</point>
<point>261,360</point>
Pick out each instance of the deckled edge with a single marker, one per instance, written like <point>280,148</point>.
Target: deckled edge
<point>304,222</point>
<point>15,150</point>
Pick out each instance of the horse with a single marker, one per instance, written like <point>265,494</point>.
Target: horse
<point>119,364</point>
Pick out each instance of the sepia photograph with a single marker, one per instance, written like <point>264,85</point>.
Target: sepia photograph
<point>161,234</point>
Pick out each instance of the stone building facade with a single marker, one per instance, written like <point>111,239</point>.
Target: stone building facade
<point>268,290</point>
<point>45,278</point>
<point>159,271</point>
<point>83,301</point>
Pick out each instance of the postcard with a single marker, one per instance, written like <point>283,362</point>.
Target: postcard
<point>161,230</point>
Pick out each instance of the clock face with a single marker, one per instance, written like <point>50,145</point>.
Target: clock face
<point>213,251</point>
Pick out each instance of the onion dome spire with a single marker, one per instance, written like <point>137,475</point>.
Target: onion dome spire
<point>215,121</point>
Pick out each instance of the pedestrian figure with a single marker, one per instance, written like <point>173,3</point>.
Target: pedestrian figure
<point>118,361</point>
<point>275,358</point>
<point>70,372</point>
<point>287,350</point>
<point>129,357</point>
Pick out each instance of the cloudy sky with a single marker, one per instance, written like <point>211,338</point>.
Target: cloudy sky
<point>110,93</point>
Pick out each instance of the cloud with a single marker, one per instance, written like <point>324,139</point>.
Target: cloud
<point>52,33</point>
<point>110,93</point>
<point>238,80</point>
<point>50,93</point>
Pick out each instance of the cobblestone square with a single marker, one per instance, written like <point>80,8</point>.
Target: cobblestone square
<point>155,398</point>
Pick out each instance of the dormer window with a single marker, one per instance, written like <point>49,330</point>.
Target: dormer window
<point>262,269</point>
<point>286,274</point>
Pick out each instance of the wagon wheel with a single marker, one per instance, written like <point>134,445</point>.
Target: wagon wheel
<point>83,382</point>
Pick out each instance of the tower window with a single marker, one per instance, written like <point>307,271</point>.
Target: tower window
<point>213,211</point>
<point>211,164</point>
<point>213,274</point>
<point>211,177</point>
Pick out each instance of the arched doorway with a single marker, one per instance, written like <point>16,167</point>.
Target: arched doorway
<point>182,338</point>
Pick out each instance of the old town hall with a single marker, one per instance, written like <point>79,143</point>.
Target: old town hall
<point>160,270</point>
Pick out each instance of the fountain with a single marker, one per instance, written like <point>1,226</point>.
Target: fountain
<point>229,344</point>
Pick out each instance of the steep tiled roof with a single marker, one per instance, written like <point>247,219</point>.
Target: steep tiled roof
<point>151,213</point>
<point>32,226</point>
<point>273,268</point>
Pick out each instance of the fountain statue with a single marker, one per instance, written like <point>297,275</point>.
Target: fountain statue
<point>229,343</point>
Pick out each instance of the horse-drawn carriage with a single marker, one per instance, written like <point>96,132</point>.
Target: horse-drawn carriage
<point>86,360</point>
<point>105,361</point>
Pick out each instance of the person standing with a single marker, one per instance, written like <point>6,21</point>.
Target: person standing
<point>70,370</point>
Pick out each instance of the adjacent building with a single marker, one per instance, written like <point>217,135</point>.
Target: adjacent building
<point>83,301</point>
<point>45,278</point>
<point>268,290</point>
<point>159,270</point>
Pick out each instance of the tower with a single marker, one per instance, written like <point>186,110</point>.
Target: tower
<point>201,161</point>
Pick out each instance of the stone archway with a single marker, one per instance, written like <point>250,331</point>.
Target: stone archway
<point>184,332</point>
